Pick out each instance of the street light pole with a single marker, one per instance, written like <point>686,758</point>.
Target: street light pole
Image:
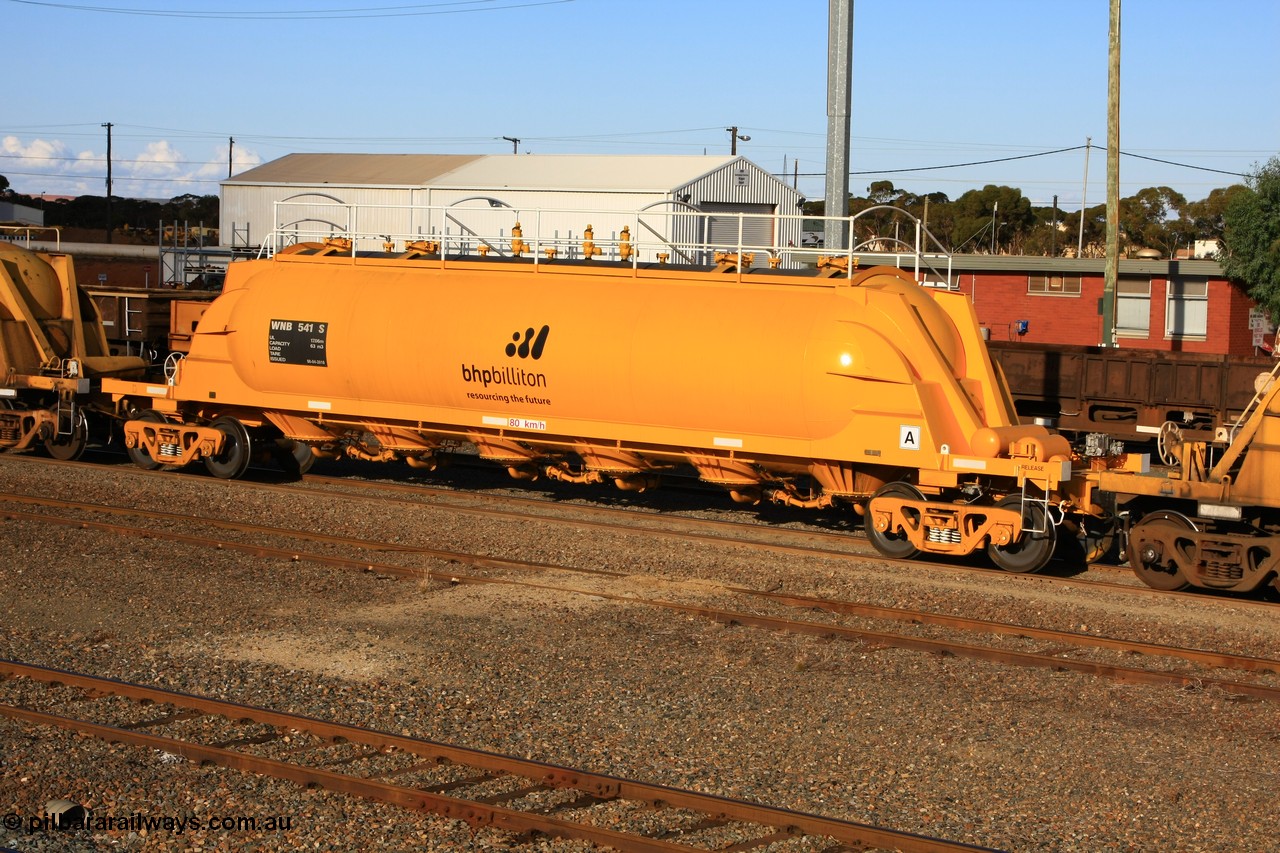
<point>515,144</point>
<point>108,126</point>
<point>839,88</point>
<point>1111,272</point>
<point>734,136</point>
<point>1088,146</point>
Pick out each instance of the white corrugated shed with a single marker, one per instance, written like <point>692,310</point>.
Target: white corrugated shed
<point>20,214</point>
<point>602,191</point>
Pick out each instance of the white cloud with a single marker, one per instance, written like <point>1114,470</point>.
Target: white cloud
<point>158,159</point>
<point>157,169</point>
<point>37,149</point>
<point>45,160</point>
<point>215,168</point>
<point>89,161</point>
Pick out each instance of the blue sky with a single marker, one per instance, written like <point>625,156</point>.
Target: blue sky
<point>935,83</point>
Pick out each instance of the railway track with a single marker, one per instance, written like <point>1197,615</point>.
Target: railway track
<point>784,531</point>
<point>570,676</point>
<point>760,537</point>
<point>803,540</point>
<point>764,537</point>
<point>483,789</point>
<point>1014,644</point>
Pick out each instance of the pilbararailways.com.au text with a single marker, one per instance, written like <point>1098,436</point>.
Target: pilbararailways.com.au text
<point>152,823</point>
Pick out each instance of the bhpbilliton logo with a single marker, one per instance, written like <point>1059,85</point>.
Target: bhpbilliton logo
<point>530,347</point>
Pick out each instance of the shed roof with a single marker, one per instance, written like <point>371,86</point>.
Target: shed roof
<point>584,171</point>
<point>517,171</point>
<point>358,169</point>
<point>1163,267</point>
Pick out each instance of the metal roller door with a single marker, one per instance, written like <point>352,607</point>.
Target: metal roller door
<point>757,231</point>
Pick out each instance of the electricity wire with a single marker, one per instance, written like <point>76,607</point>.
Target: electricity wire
<point>418,9</point>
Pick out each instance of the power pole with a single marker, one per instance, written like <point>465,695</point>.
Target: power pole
<point>734,136</point>
<point>1088,148</point>
<point>839,71</point>
<point>231,147</point>
<point>515,144</point>
<point>1112,268</point>
<point>108,126</point>
<point>1053,229</point>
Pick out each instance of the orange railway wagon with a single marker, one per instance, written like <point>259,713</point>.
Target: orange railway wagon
<point>53,355</point>
<point>773,372</point>
<point>819,385</point>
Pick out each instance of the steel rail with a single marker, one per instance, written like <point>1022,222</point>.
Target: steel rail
<point>244,527</point>
<point>807,550</point>
<point>733,527</point>
<point>1198,656</point>
<point>846,544</point>
<point>475,813</point>
<point>1128,589</point>
<point>1117,673</point>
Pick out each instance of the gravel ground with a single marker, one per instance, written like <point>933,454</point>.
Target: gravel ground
<point>991,755</point>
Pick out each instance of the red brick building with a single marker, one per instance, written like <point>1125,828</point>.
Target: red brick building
<point>1171,305</point>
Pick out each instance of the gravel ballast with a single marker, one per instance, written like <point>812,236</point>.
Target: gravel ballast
<point>992,755</point>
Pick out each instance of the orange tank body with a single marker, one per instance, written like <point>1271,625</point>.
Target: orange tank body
<point>797,381</point>
<point>802,381</point>
<point>872,368</point>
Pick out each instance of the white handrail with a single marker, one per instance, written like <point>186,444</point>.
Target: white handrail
<point>682,235</point>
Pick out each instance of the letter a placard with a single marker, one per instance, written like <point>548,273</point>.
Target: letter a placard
<point>908,437</point>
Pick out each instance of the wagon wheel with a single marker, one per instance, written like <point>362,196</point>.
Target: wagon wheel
<point>139,455</point>
<point>70,447</point>
<point>1032,550</point>
<point>1169,443</point>
<point>892,543</point>
<point>236,453</point>
<point>1147,541</point>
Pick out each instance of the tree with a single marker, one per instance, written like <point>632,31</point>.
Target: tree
<point>4,185</point>
<point>874,227</point>
<point>1251,238</point>
<point>990,218</point>
<point>890,231</point>
<point>1048,237</point>
<point>1095,230</point>
<point>1206,216</point>
<point>1148,219</point>
<point>191,208</point>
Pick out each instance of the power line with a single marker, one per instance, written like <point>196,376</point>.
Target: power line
<point>95,177</point>
<point>952,165</point>
<point>1026,157</point>
<point>415,10</point>
<point>99,160</point>
<point>1183,165</point>
<point>889,171</point>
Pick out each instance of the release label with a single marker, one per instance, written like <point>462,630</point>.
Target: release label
<point>298,342</point>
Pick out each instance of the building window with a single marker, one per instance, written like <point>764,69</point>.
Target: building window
<point>1133,308</point>
<point>1054,285</point>
<point>1187,309</point>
